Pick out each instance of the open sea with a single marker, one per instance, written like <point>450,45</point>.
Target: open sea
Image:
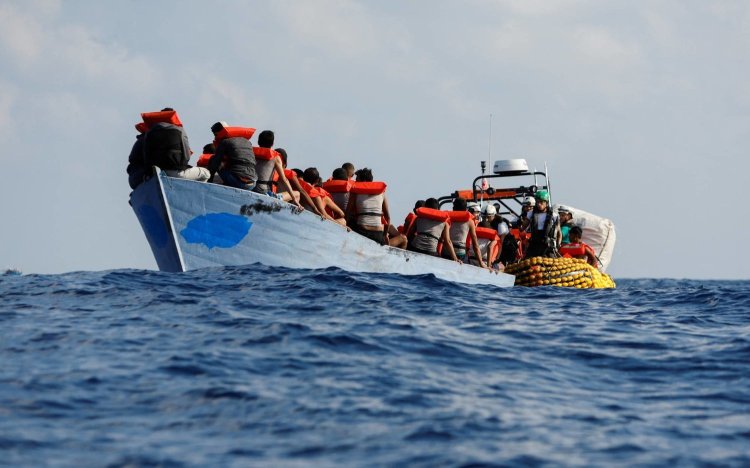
<point>258,366</point>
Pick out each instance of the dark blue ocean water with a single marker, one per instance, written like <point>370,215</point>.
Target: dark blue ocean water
<point>259,366</point>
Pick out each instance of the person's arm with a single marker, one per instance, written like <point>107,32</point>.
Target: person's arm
<point>284,181</point>
<point>590,256</point>
<point>448,244</point>
<point>304,196</point>
<point>410,232</point>
<point>386,211</point>
<point>490,257</point>
<point>330,204</point>
<point>475,245</point>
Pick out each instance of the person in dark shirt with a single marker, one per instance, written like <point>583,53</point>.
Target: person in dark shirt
<point>136,167</point>
<point>236,154</point>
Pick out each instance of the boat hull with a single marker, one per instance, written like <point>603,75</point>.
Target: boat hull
<point>192,225</point>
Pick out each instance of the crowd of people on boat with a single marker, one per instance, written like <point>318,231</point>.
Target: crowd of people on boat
<point>472,232</point>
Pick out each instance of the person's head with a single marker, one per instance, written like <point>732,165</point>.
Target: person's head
<point>339,174</point>
<point>473,208</point>
<point>575,234</point>
<point>565,214</point>
<point>298,172</point>
<point>349,168</point>
<point>218,126</point>
<point>364,175</point>
<point>283,154</point>
<point>418,204</point>
<point>311,175</point>
<point>265,139</point>
<point>459,204</point>
<point>209,149</point>
<point>167,109</point>
<point>489,211</point>
<point>528,204</point>
<point>542,200</point>
<point>432,203</point>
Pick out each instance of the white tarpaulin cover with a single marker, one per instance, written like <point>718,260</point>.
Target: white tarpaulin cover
<point>598,232</point>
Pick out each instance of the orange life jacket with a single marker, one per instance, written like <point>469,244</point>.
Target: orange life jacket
<point>141,127</point>
<point>459,216</point>
<point>310,189</point>
<point>339,186</point>
<point>407,223</point>
<point>264,153</point>
<point>573,250</point>
<point>151,118</point>
<point>204,159</point>
<point>368,188</point>
<point>233,132</point>
<point>433,214</point>
<point>490,234</point>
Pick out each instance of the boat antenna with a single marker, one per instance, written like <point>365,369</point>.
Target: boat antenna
<point>484,166</point>
<point>549,186</point>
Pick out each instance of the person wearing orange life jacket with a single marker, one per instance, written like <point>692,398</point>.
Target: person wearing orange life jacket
<point>339,187</point>
<point>294,183</point>
<point>234,159</point>
<point>367,212</point>
<point>577,249</point>
<point>166,146</point>
<point>488,243</point>
<point>321,198</point>
<point>410,217</point>
<point>462,229</point>
<point>270,170</point>
<point>429,229</point>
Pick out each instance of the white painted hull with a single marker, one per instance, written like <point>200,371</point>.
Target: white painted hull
<point>193,225</point>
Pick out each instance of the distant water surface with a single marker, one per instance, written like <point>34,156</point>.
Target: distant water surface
<point>274,367</point>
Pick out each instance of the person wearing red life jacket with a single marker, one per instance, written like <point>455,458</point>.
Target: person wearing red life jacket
<point>321,198</point>
<point>166,146</point>
<point>462,229</point>
<point>430,228</point>
<point>234,159</point>
<point>339,187</point>
<point>410,217</point>
<point>294,182</point>
<point>367,211</point>
<point>270,171</point>
<point>488,245</point>
<point>577,249</point>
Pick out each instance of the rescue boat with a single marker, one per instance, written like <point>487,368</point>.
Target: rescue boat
<point>506,187</point>
<point>191,225</point>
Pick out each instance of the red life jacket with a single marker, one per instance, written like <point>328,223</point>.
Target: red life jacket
<point>204,159</point>
<point>433,214</point>
<point>338,186</point>
<point>459,216</point>
<point>233,132</point>
<point>151,118</point>
<point>368,188</point>
<point>407,223</point>
<point>141,127</point>
<point>266,154</point>
<point>490,234</point>
<point>310,189</point>
<point>573,250</point>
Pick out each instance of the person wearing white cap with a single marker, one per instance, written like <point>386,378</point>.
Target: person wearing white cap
<point>566,222</point>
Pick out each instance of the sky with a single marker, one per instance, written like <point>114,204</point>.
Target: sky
<point>641,111</point>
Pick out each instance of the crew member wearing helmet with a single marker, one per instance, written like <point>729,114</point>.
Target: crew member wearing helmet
<point>526,207</point>
<point>566,222</point>
<point>544,226</point>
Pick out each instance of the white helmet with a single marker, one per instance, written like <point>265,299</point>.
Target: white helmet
<point>473,206</point>
<point>529,201</point>
<point>489,210</point>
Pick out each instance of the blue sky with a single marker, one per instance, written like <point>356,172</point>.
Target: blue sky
<point>640,109</point>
